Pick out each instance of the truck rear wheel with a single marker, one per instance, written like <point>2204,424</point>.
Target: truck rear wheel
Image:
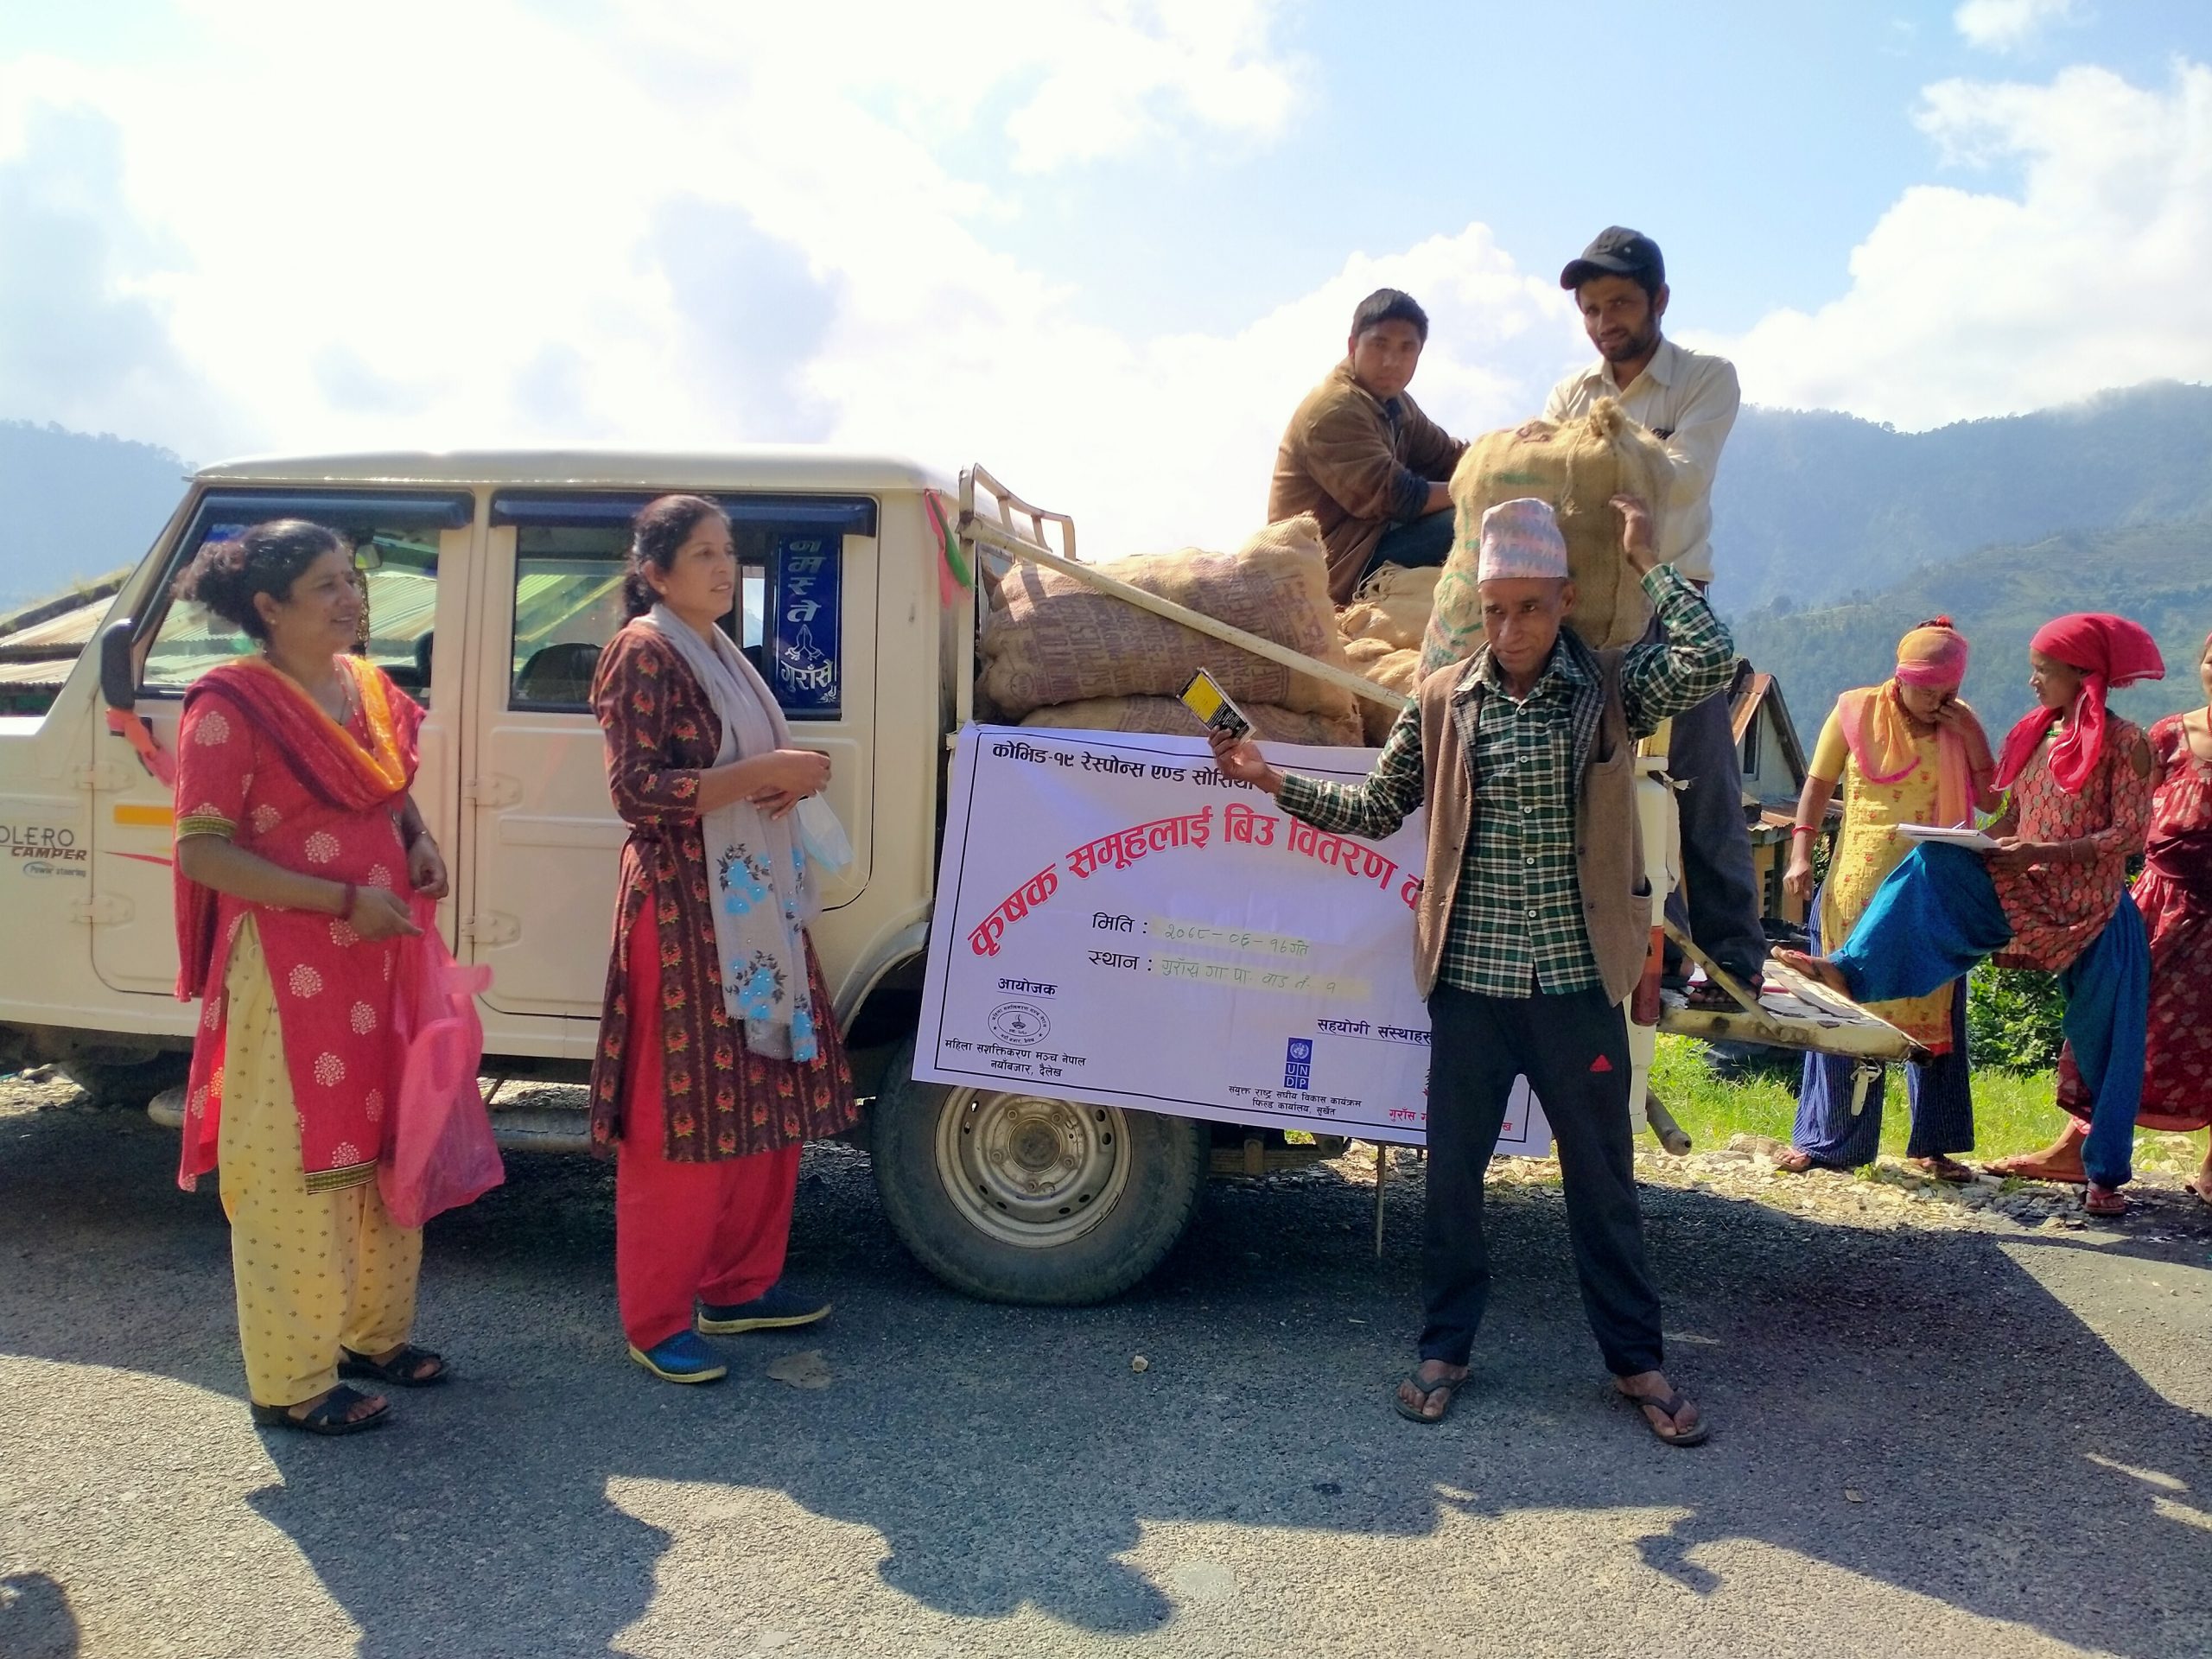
<point>1019,1197</point>
<point>136,1081</point>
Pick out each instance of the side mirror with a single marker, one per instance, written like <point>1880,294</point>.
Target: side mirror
<point>119,674</point>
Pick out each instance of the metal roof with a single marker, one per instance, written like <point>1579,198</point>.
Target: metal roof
<point>744,468</point>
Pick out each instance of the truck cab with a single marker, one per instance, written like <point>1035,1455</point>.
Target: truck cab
<point>493,580</point>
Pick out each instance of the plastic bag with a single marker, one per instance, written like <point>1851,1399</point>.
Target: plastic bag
<point>822,837</point>
<point>440,1153</point>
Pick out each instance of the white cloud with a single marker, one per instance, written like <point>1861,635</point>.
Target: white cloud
<point>694,224</point>
<point>1970,303</point>
<point>2012,25</point>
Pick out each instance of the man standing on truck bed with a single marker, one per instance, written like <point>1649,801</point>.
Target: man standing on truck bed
<point>1361,457</point>
<point>1688,400</point>
<point>1533,925</point>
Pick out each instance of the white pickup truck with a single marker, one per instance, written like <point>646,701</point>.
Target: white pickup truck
<point>493,580</point>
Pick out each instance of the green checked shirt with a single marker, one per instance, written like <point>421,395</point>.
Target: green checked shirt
<point>1517,917</point>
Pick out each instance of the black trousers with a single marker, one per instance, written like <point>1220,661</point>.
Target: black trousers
<point>1573,1050</point>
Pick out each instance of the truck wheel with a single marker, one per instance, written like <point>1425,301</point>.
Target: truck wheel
<point>134,1080</point>
<point>1017,1197</point>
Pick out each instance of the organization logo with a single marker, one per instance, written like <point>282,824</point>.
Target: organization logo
<point>1298,1063</point>
<point>1022,1024</point>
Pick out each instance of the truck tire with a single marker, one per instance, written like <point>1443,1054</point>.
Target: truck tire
<point>1017,1197</point>
<point>134,1081</point>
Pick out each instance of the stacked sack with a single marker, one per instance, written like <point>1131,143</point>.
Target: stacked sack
<point>1382,630</point>
<point>1577,465</point>
<point>1057,652</point>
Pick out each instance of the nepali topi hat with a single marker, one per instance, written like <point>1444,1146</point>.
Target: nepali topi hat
<point>1521,537</point>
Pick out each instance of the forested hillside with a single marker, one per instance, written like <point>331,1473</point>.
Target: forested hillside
<point>2160,574</point>
<point>74,506</point>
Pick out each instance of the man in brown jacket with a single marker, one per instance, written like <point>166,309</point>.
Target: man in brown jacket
<point>1534,920</point>
<point>1361,457</point>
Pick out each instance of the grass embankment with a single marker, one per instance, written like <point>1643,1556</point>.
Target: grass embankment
<point>2014,1111</point>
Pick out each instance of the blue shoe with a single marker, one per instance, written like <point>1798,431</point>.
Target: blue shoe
<point>681,1359</point>
<point>777,1308</point>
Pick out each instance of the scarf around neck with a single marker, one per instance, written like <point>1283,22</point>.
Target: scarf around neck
<point>765,894</point>
<point>2109,652</point>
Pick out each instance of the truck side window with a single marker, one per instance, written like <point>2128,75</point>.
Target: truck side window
<point>568,604</point>
<point>396,555</point>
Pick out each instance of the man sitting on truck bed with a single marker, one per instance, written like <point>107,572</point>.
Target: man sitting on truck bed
<point>1361,457</point>
<point>1533,923</point>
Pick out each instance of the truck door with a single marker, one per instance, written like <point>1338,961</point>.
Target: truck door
<point>538,876</point>
<point>413,550</point>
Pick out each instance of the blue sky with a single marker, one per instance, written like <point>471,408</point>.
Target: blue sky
<point>1101,245</point>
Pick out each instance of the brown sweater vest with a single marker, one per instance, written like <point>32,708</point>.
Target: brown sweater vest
<point>1608,836</point>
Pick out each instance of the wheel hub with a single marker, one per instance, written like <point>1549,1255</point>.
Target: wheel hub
<point>1031,1171</point>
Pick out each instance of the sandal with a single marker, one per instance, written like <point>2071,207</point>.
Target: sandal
<point>1449,1386</point>
<point>2104,1201</point>
<point>328,1415</point>
<point>2030,1167</point>
<point>1945,1168</point>
<point>1673,1405</point>
<point>403,1370</point>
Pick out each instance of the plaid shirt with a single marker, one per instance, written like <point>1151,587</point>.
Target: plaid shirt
<point>1516,920</point>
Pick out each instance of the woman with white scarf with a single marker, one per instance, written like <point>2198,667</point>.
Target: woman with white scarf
<point>719,1054</point>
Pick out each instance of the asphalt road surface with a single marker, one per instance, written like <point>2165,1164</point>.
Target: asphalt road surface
<point>1953,1444</point>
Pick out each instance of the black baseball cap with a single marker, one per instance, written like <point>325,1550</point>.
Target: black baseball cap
<point>1617,251</point>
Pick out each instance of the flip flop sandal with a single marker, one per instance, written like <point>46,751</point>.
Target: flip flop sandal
<point>1672,1404</point>
<point>2107,1201</point>
<point>402,1370</point>
<point>1942,1168</point>
<point>2014,1168</point>
<point>328,1416</point>
<point>1451,1385</point>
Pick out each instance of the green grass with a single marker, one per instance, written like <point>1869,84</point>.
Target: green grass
<point>2014,1111</point>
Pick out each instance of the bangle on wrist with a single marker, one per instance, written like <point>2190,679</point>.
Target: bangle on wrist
<point>1804,829</point>
<point>352,895</point>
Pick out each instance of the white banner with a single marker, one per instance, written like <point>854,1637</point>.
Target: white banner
<point>1119,924</point>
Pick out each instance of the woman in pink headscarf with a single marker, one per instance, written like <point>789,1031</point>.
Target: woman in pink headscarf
<point>1907,751</point>
<point>2052,894</point>
<point>2175,895</point>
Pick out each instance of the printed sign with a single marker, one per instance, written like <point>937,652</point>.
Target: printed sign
<point>35,844</point>
<point>803,661</point>
<point>1117,923</point>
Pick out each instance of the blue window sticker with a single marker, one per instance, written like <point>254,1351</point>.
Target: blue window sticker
<point>803,658</point>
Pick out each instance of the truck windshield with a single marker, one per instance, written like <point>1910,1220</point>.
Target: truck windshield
<point>396,556</point>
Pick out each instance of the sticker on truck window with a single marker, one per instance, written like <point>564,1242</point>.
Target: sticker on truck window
<point>802,660</point>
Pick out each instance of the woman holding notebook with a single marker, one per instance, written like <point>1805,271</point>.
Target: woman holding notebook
<point>1905,751</point>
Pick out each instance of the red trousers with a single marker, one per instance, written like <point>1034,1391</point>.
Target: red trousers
<point>711,1232</point>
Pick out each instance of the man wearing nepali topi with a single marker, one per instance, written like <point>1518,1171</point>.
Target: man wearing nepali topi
<point>1533,922</point>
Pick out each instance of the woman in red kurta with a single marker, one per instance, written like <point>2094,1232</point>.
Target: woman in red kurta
<point>2175,895</point>
<point>295,831</point>
<point>718,1053</point>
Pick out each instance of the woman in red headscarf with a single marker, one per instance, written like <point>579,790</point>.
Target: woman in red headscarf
<point>1907,751</point>
<point>2175,895</point>
<point>2052,893</point>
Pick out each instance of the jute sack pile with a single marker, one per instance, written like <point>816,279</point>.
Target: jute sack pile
<point>1168,717</point>
<point>1051,641</point>
<point>1392,605</point>
<point>1577,466</point>
<point>1373,661</point>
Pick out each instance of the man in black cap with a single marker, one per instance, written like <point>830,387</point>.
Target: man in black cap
<point>1688,400</point>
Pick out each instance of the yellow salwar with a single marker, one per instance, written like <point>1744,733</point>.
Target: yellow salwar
<point>1867,850</point>
<point>314,1269</point>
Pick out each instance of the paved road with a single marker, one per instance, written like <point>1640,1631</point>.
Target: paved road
<point>1957,1444</point>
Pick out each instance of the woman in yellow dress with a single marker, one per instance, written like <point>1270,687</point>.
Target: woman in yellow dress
<point>1907,751</point>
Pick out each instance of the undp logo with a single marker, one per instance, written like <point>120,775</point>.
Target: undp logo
<point>1298,1063</point>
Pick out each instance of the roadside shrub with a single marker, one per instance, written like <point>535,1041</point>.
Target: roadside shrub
<point>2013,1019</point>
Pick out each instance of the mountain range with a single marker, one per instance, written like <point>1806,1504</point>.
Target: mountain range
<point>1832,534</point>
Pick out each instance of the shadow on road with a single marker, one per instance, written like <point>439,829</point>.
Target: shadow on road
<point>1916,1409</point>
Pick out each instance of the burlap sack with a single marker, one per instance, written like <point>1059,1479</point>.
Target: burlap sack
<point>1395,671</point>
<point>1050,640</point>
<point>1578,467</point>
<point>1168,717</point>
<point>1392,605</point>
<point>1363,654</point>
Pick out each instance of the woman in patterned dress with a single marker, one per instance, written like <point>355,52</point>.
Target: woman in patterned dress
<point>719,1054</point>
<point>2053,893</point>
<point>294,830</point>
<point>2175,895</point>
<point>1907,751</point>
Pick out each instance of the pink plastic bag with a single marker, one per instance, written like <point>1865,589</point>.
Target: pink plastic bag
<point>440,1153</point>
